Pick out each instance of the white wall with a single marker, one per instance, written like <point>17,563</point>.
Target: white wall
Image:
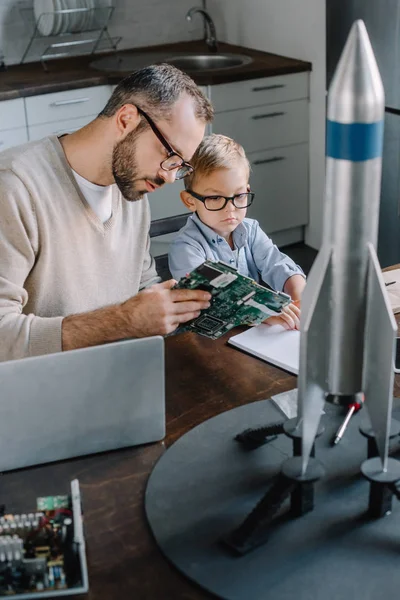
<point>138,22</point>
<point>294,28</point>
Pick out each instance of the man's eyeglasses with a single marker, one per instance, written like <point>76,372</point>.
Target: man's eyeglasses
<point>173,160</point>
<point>219,202</point>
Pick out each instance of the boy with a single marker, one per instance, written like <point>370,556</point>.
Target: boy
<point>218,194</point>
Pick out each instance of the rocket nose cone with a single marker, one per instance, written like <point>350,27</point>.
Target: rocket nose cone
<point>356,93</point>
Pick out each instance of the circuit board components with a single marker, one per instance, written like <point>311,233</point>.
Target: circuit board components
<point>42,552</point>
<point>236,299</point>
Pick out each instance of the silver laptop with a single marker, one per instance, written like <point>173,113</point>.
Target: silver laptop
<point>79,402</point>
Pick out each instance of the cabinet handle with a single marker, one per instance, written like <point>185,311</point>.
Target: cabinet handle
<point>72,101</point>
<point>264,161</point>
<point>264,88</point>
<point>268,115</point>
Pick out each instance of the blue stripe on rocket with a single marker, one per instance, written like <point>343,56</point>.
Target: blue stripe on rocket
<point>354,141</point>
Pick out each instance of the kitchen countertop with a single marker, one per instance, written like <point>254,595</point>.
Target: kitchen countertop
<point>31,79</point>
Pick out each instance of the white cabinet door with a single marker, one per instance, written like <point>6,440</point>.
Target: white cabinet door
<point>259,92</point>
<point>62,106</point>
<point>37,132</point>
<point>12,114</point>
<point>13,129</point>
<point>166,201</point>
<point>265,127</point>
<point>279,178</point>
<point>13,137</point>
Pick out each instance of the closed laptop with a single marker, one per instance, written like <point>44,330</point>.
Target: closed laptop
<point>82,401</point>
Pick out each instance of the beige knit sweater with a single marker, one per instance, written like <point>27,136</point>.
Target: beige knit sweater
<point>56,256</point>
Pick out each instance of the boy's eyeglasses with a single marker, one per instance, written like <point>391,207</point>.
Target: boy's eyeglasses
<point>219,202</point>
<point>173,160</point>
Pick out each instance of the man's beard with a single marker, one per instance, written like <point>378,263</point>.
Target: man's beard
<point>125,170</point>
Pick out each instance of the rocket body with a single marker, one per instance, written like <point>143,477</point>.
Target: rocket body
<point>347,327</point>
<point>355,119</point>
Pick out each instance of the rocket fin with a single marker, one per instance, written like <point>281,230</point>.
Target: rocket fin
<point>379,340</point>
<point>314,346</point>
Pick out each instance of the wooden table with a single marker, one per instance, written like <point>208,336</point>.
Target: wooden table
<point>204,378</point>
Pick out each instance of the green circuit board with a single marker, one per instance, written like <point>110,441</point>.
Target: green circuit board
<point>236,299</point>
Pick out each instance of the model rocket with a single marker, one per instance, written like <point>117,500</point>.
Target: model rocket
<point>347,326</point>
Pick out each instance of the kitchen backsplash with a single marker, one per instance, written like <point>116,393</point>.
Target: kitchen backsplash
<point>137,22</point>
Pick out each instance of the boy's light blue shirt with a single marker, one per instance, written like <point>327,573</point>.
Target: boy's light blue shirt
<point>255,254</point>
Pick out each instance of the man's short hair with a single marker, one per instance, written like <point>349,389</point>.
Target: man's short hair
<point>156,89</point>
<point>216,151</point>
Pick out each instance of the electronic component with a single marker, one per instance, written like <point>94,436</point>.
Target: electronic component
<point>44,551</point>
<point>52,502</point>
<point>236,299</point>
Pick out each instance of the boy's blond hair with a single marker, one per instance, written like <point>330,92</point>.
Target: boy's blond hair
<point>216,151</point>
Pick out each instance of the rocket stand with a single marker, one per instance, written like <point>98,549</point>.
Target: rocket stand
<point>368,432</point>
<point>290,482</point>
<point>302,497</point>
<point>253,531</point>
<point>292,428</point>
<point>382,484</point>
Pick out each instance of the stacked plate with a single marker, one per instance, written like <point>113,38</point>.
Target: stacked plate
<point>50,21</point>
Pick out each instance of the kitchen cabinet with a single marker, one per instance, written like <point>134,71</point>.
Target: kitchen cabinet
<point>35,117</point>
<point>280,179</point>
<point>37,132</point>
<point>13,129</point>
<point>267,126</point>
<point>63,112</point>
<point>269,117</point>
<point>258,92</point>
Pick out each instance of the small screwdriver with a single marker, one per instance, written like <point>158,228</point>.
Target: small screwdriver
<point>353,408</point>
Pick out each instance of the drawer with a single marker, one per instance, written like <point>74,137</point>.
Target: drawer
<point>280,180</point>
<point>37,132</point>
<point>266,126</point>
<point>71,104</point>
<point>13,137</point>
<point>12,114</point>
<point>258,92</point>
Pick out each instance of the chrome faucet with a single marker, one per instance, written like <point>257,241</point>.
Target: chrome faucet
<point>209,27</point>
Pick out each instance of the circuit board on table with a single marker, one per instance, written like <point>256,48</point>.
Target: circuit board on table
<point>42,552</point>
<point>236,299</point>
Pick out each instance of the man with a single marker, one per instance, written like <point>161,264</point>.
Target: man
<point>74,221</point>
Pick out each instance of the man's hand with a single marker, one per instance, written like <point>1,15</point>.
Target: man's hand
<point>158,310</point>
<point>289,317</point>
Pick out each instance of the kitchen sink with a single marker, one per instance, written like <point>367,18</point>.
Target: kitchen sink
<point>208,62</point>
<point>127,62</point>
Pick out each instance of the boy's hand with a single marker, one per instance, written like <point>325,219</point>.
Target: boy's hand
<point>289,317</point>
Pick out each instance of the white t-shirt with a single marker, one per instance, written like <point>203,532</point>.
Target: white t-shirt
<point>99,197</point>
